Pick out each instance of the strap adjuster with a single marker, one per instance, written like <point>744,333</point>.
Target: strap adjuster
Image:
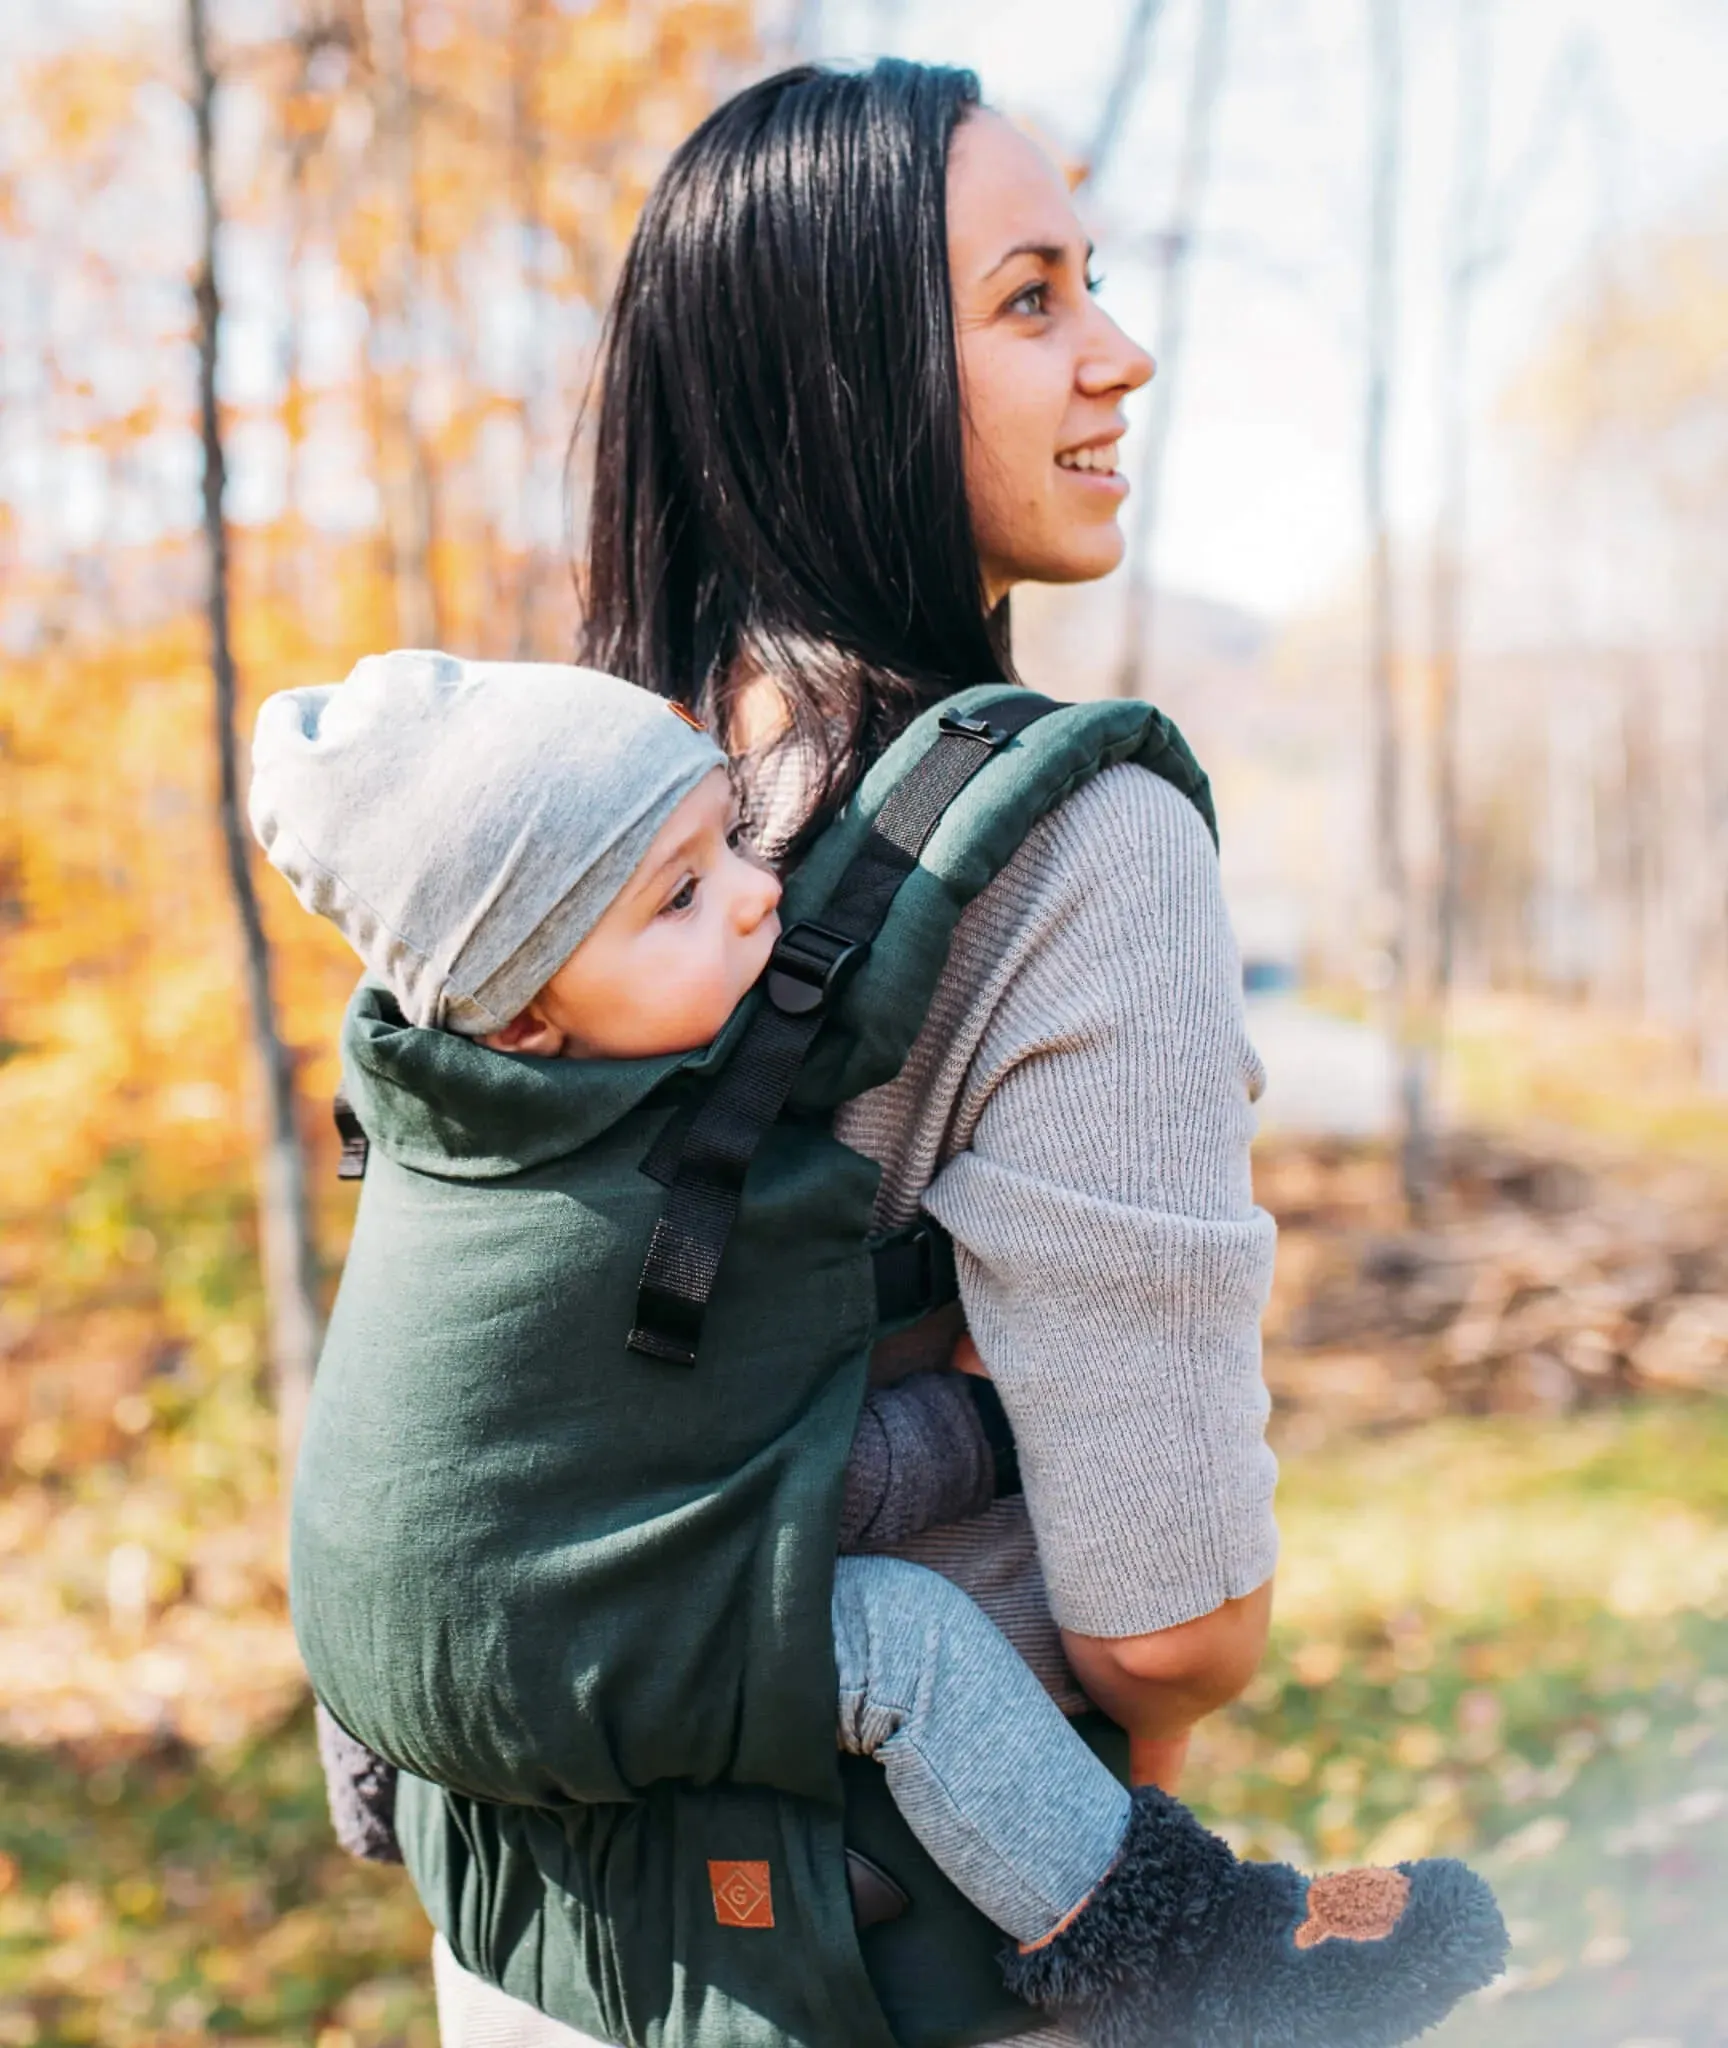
<point>356,1147</point>
<point>979,729</point>
<point>809,966</point>
<point>914,1272</point>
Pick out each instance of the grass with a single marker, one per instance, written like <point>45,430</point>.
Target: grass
<point>1522,1063</point>
<point>183,1899</point>
<point>1541,1066</point>
<point>1507,1638</point>
<point>1466,1606</point>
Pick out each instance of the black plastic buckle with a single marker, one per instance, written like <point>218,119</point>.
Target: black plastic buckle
<point>979,729</point>
<point>809,966</point>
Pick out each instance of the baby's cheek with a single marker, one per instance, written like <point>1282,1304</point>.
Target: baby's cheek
<point>689,1010</point>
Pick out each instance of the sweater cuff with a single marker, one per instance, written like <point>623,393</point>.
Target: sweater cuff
<point>920,1458</point>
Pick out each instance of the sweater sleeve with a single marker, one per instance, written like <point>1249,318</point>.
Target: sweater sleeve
<point>920,1457</point>
<point>1113,1265</point>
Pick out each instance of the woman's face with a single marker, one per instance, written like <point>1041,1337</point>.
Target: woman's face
<point>1043,369</point>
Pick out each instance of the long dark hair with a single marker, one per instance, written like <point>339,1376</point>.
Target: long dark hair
<point>778,479</point>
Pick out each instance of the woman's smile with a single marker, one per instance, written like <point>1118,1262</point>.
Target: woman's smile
<point>1093,466</point>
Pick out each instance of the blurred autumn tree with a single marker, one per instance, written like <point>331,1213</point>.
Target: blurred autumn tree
<point>1595,840</point>
<point>422,202</point>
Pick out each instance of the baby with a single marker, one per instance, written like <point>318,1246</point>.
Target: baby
<point>551,862</point>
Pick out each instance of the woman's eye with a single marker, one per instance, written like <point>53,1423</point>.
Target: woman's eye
<point>1094,281</point>
<point>1031,300</point>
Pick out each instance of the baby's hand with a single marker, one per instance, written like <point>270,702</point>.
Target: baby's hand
<point>966,1358</point>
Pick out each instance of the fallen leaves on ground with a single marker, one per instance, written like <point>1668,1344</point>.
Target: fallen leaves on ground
<point>1536,1284</point>
<point>1504,1635</point>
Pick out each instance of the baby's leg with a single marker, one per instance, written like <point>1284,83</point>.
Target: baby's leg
<point>981,1761</point>
<point>1130,1921</point>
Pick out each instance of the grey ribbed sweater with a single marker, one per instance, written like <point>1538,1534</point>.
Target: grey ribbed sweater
<point>1077,1112</point>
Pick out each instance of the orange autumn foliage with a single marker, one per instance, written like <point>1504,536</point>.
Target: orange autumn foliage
<point>418,239</point>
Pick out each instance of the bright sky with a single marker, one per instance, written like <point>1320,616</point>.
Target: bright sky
<point>1262,495</point>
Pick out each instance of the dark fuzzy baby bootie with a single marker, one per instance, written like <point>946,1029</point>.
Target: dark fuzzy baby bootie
<point>1185,1946</point>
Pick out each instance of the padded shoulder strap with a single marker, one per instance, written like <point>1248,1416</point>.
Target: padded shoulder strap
<point>868,920</point>
<point>883,1009</point>
<point>807,972</point>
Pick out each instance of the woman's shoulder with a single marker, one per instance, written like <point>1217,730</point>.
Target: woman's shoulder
<point>1126,832</point>
<point>1113,902</point>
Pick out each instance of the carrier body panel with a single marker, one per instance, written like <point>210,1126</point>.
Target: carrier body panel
<point>580,1594</point>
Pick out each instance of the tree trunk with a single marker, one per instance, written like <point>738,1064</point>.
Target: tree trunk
<point>1134,674</point>
<point>1464,268</point>
<point>527,174</point>
<point>1711,1001</point>
<point>285,1227</point>
<point>1396,921</point>
<point>1430,973</point>
<point>1125,84</point>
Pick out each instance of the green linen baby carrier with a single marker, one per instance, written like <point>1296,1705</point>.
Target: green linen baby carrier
<point>565,1518</point>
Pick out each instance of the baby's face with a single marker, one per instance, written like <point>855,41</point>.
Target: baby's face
<point>676,950</point>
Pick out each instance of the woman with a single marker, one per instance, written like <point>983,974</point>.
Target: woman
<point>806,524</point>
<point>857,387</point>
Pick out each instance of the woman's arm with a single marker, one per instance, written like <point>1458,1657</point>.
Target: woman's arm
<point>1157,1686</point>
<point>1113,1265</point>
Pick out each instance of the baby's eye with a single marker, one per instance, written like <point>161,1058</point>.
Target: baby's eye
<point>736,834</point>
<point>684,898</point>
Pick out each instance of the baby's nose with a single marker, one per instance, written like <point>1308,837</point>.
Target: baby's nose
<point>762,899</point>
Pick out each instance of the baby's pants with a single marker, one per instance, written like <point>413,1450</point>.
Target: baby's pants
<point>991,1778</point>
<point>981,1762</point>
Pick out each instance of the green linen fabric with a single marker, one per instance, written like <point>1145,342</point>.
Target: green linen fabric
<point>581,1598</point>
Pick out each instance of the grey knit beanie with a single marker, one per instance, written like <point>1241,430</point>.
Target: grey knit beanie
<point>465,825</point>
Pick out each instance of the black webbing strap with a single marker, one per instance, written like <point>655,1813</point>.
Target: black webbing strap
<point>355,1144</point>
<point>998,1434</point>
<point>914,1273</point>
<point>810,966</point>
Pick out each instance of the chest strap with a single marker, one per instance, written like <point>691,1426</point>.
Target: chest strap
<point>807,971</point>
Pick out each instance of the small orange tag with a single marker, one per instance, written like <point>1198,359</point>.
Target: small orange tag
<point>689,717</point>
<point>741,1894</point>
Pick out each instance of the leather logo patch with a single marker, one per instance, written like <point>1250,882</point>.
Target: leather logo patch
<point>741,1894</point>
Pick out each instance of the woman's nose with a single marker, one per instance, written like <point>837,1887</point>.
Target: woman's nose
<point>1115,361</point>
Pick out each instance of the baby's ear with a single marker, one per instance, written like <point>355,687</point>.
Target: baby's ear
<point>531,1033</point>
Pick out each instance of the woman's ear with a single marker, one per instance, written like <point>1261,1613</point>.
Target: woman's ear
<point>532,1032</point>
